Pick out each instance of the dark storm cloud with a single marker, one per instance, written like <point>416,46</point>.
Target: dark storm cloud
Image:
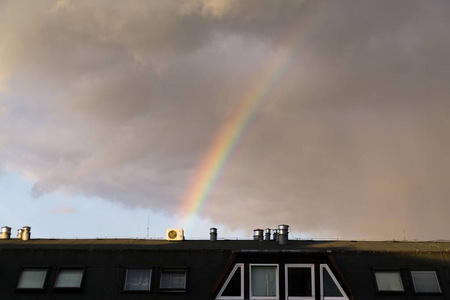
<point>121,100</point>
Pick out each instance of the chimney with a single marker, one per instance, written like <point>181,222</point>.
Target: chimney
<point>275,235</point>
<point>6,233</point>
<point>283,231</point>
<point>258,234</point>
<point>213,234</point>
<point>26,233</point>
<point>267,234</point>
<point>19,234</point>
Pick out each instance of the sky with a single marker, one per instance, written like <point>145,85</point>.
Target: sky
<point>127,118</point>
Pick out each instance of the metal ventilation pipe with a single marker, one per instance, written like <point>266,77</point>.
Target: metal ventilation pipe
<point>26,233</point>
<point>283,231</point>
<point>258,234</point>
<point>275,235</point>
<point>213,234</point>
<point>19,234</point>
<point>6,233</point>
<point>267,234</point>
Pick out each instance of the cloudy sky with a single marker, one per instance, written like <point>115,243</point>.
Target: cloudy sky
<point>333,117</point>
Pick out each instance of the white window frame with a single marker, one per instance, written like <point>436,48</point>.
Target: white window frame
<point>277,281</point>
<point>313,286</point>
<point>425,271</point>
<point>228,280</point>
<point>344,295</point>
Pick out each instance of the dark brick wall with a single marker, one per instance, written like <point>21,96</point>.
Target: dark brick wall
<point>105,269</point>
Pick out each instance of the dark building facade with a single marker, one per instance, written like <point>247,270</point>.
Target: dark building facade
<point>223,269</point>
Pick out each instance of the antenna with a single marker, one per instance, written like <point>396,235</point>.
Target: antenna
<point>148,223</point>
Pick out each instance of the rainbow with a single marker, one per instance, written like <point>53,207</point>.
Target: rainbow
<point>234,127</point>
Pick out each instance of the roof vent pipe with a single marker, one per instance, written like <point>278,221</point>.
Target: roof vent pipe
<point>213,234</point>
<point>283,231</point>
<point>6,233</point>
<point>275,235</point>
<point>267,234</point>
<point>258,234</point>
<point>19,234</point>
<point>26,233</point>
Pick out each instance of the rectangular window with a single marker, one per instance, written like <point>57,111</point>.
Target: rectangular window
<point>138,279</point>
<point>264,282</point>
<point>300,281</point>
<point>69,278</point>
<point>173,279</point>
<point>389,281</point>
<point>425,282</point>
<point>32,278</point>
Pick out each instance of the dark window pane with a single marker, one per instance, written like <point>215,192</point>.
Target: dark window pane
<point>330,288</point>
<point>69,278</point>
<point>173,279</point>
<point>425,282</point>
<point>138,280</point>
<point>233,287</point>
<point>32,278</point>
<point>299,282</point>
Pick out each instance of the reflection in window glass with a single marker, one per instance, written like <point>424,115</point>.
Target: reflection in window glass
<point>69,278</point>
<point>389,281</point>
<point>425,282</point>
<point>173,279</point>
<point>138,279</point>
<point>263,281</point>
<point>32,278</point>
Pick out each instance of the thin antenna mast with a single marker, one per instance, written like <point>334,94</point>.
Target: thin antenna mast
<point>148,223</point>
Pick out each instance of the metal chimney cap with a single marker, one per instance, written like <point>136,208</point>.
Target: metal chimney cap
<point>6,233</point>
<point>258,234</point>
<point>213,234</point>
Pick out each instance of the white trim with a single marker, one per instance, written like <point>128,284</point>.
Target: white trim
<point>344,295</point>
<point>219,296</point>
<point>286,279</point>
<point>277,290</point>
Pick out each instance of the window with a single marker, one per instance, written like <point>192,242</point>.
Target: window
<point>69,278</point>
<point>389,281</point>
<point>137,279</point>
<point>234,285</point>
<point>32,278</point>
<point>299,280</point>
<point>264,281</point>
<point>173,279</point>
<point>425,282</point>
<point>330,288</point>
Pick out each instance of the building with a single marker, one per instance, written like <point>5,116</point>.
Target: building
<point>263,268</point>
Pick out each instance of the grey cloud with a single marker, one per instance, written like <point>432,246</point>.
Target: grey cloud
<point>121,101</point>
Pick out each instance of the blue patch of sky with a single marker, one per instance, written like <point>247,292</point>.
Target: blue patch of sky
<point>58,215</point>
